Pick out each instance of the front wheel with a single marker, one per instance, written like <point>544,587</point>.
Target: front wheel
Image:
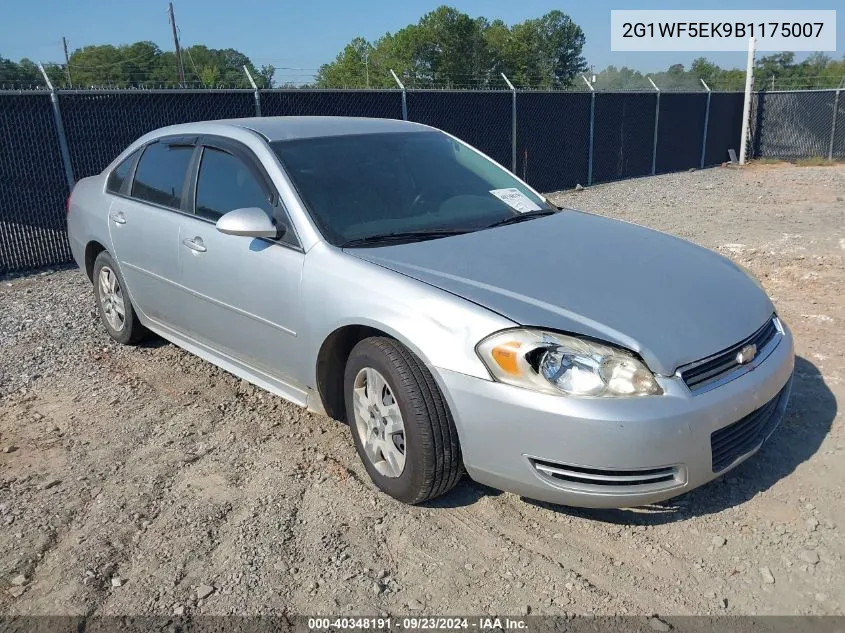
<point>402,428</point>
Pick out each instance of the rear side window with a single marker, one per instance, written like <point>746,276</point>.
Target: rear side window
<point>120,174</point>
<point>225,183</point>
<point>160,176</point>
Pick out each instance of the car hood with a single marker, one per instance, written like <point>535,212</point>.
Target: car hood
<point>670,301</point>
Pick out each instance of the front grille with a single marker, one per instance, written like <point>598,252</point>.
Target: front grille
<point>604,477</point>
<point>745,435</point>
<point>706,372</point>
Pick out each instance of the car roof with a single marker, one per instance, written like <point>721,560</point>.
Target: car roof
<point>283,128</point>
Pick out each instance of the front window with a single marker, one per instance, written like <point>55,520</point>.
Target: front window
<point>225,183</point>
<point>360,186</point>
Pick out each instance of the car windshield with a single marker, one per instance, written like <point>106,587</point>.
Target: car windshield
<point>426,184</point>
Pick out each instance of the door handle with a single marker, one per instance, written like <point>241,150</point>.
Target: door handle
<point>195,244</point>
<point>117,217</point>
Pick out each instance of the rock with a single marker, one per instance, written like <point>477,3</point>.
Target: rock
<point>526,610</point>
<point>180,610</point>
<point>377,589</point>
<point>718,541</point>
<point>812,523</point>
<point>203,591</point>
<point>808,556</point>
<point>415,605</point>
<point>50,483</point>
<point>16,592</point>
<point>117,581</point>
<point>579,187</point>
<point>767,576</point>
<point>19,580</point>
<point>10,449</point>
<point>657,624</point>
<point>821,597</point>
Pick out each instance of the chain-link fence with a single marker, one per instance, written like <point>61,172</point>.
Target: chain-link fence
<point>794,125</point>
<point>553,140</point>
<point>100,125</point>
<point>482,119</point>
<point>33,187</point>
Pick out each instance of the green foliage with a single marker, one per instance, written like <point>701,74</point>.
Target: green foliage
<point>142,64</point>
<point>450,49</point>
<point>778,71</point>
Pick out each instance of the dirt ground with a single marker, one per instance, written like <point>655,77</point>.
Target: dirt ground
<point>146,481</point>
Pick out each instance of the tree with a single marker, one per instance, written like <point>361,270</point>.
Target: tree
<point>447,48</point>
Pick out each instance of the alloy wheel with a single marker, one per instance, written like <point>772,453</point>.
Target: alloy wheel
<point>111,299</point>
<point>379,422</point>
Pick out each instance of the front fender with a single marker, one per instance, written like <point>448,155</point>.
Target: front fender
<point>440,328</point>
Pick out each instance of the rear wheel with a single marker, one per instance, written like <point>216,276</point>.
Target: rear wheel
<point>400,423</point>
<point>113,304</point>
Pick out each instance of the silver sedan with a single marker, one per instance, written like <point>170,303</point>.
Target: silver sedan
<point>386,274</point>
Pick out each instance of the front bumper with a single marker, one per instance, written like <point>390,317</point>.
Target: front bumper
<point>611,453</point>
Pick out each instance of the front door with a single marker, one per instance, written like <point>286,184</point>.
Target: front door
<point>241,293</point>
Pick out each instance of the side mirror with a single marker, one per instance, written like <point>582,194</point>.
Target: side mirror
<point>249,222</point>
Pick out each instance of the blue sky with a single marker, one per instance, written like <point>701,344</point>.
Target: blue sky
<point>303,35</point>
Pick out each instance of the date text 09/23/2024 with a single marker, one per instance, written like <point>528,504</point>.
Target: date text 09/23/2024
<point>418,623</point>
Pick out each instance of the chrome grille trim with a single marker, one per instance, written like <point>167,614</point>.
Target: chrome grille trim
<point>714,371</point>
<point>606,479</point>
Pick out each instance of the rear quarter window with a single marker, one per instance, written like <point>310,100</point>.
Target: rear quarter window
<point>120,175</point>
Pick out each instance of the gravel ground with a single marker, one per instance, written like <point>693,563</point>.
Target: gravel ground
<point>146,481</point>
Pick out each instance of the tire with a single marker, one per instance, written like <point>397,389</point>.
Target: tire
<point>127,330</point>
<point>432,454</point>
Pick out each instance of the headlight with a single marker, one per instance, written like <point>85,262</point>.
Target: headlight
<point>565,365</point>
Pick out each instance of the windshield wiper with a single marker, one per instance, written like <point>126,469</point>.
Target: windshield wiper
<point>521,217</point>
<point>402,236</point>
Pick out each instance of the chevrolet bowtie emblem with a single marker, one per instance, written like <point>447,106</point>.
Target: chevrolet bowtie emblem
<point>746,354</point>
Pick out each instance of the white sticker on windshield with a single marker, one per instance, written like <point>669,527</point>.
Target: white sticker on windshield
<point>515,199</point>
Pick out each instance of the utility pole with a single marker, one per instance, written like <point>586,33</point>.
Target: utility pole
<point>67,62</point>
<point>180,68</point>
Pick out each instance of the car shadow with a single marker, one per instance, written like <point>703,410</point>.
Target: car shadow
<point>809,416</point>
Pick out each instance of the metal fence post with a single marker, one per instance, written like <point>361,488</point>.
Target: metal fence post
<point>404,95</point>
<point>256,92</point>
<point>592,130</point>
<point>746,104</point>
<point>60,129</point>
<point>706,123</point>
<point>513,122</point>
<point>656,121</point>
<point>833,124</point>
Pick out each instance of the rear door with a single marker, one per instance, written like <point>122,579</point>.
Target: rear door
<point>144,219</point>
<point>241,293</point>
